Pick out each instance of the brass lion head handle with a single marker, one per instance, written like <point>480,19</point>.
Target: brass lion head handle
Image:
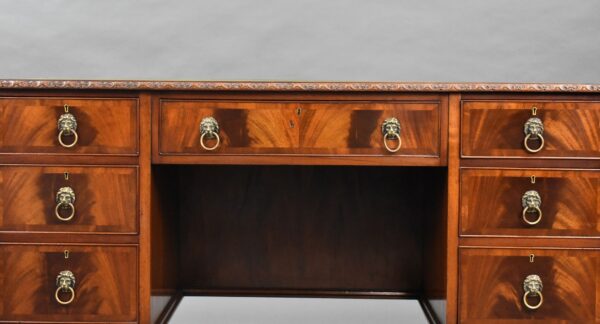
<point>65,283</point>
<point>390,128</point>
<point>532,285</point>
<point>534,130</point>
<point>65,200</point>
<point>531,202</point>
<point>209,129</point>
<point>67,127</point>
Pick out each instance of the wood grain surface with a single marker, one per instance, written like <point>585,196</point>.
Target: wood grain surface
<point>491,285</point>
<point>105,198</point>
<point>104,126</point>
<point>491,202</point>
<point>495,128</point>
<point>106,283</point>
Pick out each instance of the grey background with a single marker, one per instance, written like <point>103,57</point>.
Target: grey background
<point>302,40</point>
<point>260,310</point>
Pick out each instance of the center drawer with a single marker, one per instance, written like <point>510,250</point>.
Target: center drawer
<point>68,199</point>
<point>56,283</point>
<point>200,127</point>
<point>530,202</point>
<point>501,285</point>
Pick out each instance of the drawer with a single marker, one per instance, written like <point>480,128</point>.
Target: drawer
<point>103,126</point>
<point>105,287</point>
<point>502,202</point>
<point>103,199</point>
<point>308,128</point>
<point>491,286</point>
<point>571,129</point>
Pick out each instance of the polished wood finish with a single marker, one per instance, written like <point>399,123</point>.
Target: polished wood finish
<point>305,228</point>
<point>105,126</point>
<point>495,128</point>
<point>106,283</point>
<point>491,285</point>
<point>491,202</point>
<point>27,198</point>
<point>306,128</point>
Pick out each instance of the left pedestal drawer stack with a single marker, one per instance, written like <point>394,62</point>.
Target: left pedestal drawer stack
<point>69,208</point>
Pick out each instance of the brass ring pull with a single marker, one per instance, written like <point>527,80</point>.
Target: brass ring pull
<point>64,302</point>
<point>391,136</point>
<point>531,201</point>
<point>534,130</point>
<point>209,128</point>
<point>390,128</point>
<point>65,282</point>
<point>533,288</point>
<point>67,126</point>
<point>65,199</point>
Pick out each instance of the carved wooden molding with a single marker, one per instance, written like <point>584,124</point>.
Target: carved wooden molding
<point>298,86</point>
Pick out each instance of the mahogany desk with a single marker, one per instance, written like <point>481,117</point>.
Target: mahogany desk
<point>118,198</point>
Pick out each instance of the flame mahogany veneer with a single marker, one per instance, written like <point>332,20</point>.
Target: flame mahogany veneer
<point>300,198</point>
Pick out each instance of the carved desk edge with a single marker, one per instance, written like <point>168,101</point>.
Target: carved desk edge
<point>299,86</point>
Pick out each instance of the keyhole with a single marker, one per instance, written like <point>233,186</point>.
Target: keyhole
<point>66,254</point>
<point>531,257</point>
<point>292,124</point>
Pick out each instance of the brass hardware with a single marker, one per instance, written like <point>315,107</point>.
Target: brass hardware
<point>534,130</point>
<point>65,199</point>
<point>65,282</point>
<point>532,179</point>
<point>67,126</point>
<point>66,174</point>
<point>533,288</point>
<point>531,257</point>
<point>533,111</point>
<point>298,111</point>
<point>209,128</point>
<point>531,202</point>
<point>391,130</point>
<point>66,254</point>
<point>292,124</point>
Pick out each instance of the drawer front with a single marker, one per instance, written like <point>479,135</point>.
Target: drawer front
<point>571,129</point>
<point>492,202</point>
<point>243,127</point>
<point>105,199</point>
<point>308,128</point>
<point>491,286</point>
<point>356,128</point>
<point>104,126</point>
<point>105,286</point>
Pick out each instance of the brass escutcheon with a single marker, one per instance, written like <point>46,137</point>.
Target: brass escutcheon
<point>533,288</point>
<point>65,199</point>
<point>67,126</point>
<point>390,128</point>
<point>531,202</point>
<point>209,129</point>
<point>65,282</point>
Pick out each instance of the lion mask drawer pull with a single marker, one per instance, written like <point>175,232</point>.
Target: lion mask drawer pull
<point>65,282</point>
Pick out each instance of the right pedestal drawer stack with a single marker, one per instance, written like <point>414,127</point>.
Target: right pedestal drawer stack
<point>529,209</point>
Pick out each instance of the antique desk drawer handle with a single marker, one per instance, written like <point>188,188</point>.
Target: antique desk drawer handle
<point>65,282</point>
<point>67,127</point>
<point>533,288</point>
<point>209,129</point>
<point>391,131</point>
<point>65,199</point>
<point>534,130</point>
<point>531,202</point>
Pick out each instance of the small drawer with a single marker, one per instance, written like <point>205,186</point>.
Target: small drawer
<point>529,286</point>
<point>68,199</point>
<point>55,283</point>
<point>530,202</point>
<point>68,126</point>
<point>307,128</point>
<point>540,129</point>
